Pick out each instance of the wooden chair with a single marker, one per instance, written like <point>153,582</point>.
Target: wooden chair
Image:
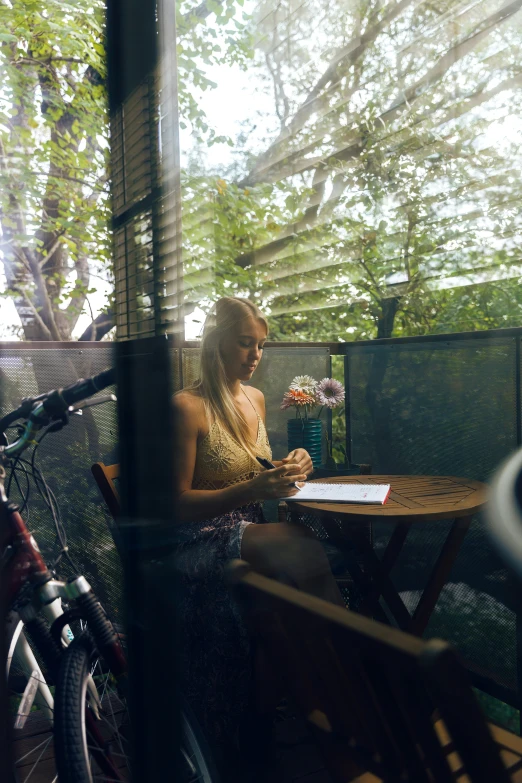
<point>104,475</point>
<point>383,706</point>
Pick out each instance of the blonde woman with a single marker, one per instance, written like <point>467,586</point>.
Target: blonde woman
<point>220,485</point>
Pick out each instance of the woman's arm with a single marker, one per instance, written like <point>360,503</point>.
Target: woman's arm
<point>199,504</point>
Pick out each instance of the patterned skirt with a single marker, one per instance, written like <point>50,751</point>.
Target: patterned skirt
<point>216,661</point>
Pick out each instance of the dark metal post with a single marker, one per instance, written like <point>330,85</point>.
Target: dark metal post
<point>518,616</point>
<point>348,441</point>
<point>144,376</point>
<point>329,418</point>
<point>518,390</point>
<point>147,524</point>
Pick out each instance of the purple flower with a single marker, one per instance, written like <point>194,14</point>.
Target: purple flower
<point>329,393</point>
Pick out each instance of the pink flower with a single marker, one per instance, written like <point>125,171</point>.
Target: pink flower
<point>329,393</point>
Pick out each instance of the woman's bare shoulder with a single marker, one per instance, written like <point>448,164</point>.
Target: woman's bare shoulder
<point>256,394</point>
<point>190,404</point>
<point>258,399</point>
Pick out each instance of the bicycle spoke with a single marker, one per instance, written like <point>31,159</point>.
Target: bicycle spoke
<point>116,728</point>
<point>46,742</point>
<point>93,748</point>
<point>105,686</point>
<point>37,760</point>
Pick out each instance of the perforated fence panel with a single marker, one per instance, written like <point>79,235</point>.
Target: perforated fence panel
<point>436,408</point>
<point>273,376</point>
<point>65,459</point>
<point>444,408</point>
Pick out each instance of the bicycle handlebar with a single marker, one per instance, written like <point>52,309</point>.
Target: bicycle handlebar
<point>52,405</point>
<point>57,402</point>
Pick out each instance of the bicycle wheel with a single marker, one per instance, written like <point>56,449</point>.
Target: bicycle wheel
<point>92,743</point>
<point>91,738</point>
<point>32,718</point>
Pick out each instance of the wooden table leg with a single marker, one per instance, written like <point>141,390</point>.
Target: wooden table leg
<point>384,586</point>
<point>439,575</point>
<point>391,553</point>
<point>346,543</point>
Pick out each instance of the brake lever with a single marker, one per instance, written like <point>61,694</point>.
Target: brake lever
<point>90,403</point>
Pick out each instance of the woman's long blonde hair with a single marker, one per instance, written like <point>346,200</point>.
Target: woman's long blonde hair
<point>213,387</point>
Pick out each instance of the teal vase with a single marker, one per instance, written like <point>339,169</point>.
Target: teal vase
<point>306,434</point>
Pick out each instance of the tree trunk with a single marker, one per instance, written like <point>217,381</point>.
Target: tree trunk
<point>389,307</point>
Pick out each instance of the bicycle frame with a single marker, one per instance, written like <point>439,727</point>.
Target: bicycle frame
<point>22,563</point>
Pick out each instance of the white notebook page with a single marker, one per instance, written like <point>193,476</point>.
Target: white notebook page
<point>342,493</point>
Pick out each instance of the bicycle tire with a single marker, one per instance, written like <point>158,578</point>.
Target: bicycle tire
<point>80,756</point>
<point>75,760</point>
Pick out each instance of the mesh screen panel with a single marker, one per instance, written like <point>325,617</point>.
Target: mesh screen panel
<point>437,408</point>
<point>444,409</point>
<point>440,408</point>
<point>65,458</point>
<point>273,376</point>
<point>190,366</point>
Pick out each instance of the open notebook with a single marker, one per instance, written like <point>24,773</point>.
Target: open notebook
<point>342,493</point>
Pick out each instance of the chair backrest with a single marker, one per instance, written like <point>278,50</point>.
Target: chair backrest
<point>378,700</point>
<point>104,476</point>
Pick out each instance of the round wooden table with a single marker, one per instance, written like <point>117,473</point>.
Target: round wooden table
<point>413,500</point>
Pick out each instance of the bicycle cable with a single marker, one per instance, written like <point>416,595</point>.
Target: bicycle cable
<point>12,475</point>
<point>46,493</point>
<point>50,499</point>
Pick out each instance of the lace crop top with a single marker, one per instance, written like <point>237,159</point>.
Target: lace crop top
<point>221,462</point>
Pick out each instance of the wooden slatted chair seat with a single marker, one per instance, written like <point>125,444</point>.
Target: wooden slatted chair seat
<point>383,706</point>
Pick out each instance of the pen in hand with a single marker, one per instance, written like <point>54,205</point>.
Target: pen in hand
<point>270,466</point>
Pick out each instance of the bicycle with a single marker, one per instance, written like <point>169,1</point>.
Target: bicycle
<point>87,670</point>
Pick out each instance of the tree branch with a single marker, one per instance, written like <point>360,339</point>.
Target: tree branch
<point>342,61</point>
<point>36,315</point>
<point>354,147</point>
<point>54,247</point>
<point>102,324</point>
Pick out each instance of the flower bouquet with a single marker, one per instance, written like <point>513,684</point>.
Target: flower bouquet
<point>305,431</point>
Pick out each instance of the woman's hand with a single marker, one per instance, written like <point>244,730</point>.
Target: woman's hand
<point>277,482</point>
<point>301,458</point>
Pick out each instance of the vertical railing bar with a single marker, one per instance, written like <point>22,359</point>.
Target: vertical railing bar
<point>157,202</point>
<point>178,341</point>
<point>518,391</point>
<point>518,616</point>
<point>347,410</point>
<point>329,417</point>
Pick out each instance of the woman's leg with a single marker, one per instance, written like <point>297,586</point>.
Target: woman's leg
<point>291,554</point>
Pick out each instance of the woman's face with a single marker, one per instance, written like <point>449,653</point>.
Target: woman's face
<point>241,350</point>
